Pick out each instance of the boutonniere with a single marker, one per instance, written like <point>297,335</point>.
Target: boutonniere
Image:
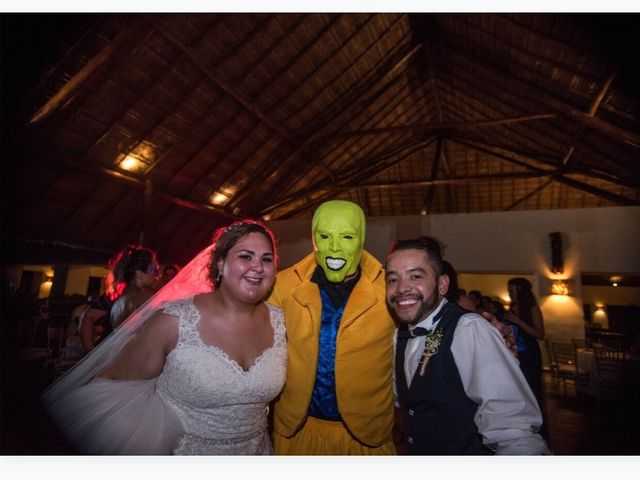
<point>431,344</point>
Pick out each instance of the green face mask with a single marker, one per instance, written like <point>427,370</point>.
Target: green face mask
<point>338,229</point>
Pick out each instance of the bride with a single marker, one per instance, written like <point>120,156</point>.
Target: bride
<point>193,375</point>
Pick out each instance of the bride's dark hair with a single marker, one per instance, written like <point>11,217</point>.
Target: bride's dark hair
<point>226,237</point>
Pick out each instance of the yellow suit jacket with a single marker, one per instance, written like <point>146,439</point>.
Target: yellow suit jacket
<point>364,358</point>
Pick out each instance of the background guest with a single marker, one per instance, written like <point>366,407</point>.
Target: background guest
<point>132,270</point>
<point>168,273</point>
<point>526,315</point>
<point>133,276</point>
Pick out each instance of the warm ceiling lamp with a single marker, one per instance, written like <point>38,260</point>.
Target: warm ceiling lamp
<point>615,280</point>
<point>131,164</point>
<point>219,198</point>
<point>559,287</point>
<point>223,194</point>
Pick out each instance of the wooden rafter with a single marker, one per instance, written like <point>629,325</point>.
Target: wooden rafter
<point>595,104</point>
<point>530,194</point>
<point>67,162</point>
<point>96,65</point>
<point>562,178</point>
<point>348,176</point>
<point>379,164</point>
<point>548,101</point>
<point>451,181</point>
<point>512,156</point>
<point>436,127</point>
<point>597,101</point>
<point>611,197</point>
<point>371,89</point>
<point>435,166</point>
<point>226,86</point>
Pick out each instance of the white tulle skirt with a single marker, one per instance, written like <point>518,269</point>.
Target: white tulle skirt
<point>117,417</point>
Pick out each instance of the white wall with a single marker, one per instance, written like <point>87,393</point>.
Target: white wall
<point>594,240</point>
<point>78,278</point>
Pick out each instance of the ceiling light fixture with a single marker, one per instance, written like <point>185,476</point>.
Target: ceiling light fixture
<point>131,164</point>
<point>219,198</point>
<point>615,280</point>
<point>223,194</point>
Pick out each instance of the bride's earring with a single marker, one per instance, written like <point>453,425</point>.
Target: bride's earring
<point>218,278</point>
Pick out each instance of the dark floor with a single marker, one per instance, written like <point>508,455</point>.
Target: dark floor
<point>579,426</point>
<point>576,426</point>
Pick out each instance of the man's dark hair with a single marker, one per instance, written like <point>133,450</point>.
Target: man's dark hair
<point>430,245</point>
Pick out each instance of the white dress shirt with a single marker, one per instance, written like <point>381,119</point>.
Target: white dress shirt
<point>508,415</point>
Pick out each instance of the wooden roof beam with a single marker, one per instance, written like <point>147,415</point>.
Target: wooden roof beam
<point>386,78</point>
<point>378,165</point>
<point>595,104</point>
<point>347,174</point>
<point>67,162</point>
<point>225,86</point>
<point>453,180</point>
<point>504,154</point>
<point>87,73</point>
<point>611,197</point>
<point>547,101</point>
<point>435,165</point>
<point>560,177</point>
<point>527,196</point>
<point>430,127</point>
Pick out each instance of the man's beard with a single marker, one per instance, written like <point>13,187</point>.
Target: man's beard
<point>425,309</point>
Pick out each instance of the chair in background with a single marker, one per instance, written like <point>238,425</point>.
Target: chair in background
<point>579,342</point>
<point>612,368</point>
<point>609,340</point>
<point>564,366</point>
<point>55,338</point>
<point>40,359</point>
<point>56,362</point>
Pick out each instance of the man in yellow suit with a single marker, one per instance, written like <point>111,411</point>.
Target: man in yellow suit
<point>338,398</point>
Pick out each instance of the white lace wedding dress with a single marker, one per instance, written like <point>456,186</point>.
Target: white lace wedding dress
<point>203,402</point>
<point>222,407</point>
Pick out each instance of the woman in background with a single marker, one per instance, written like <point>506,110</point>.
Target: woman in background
<point>526,315</point>
<point>132,272</point>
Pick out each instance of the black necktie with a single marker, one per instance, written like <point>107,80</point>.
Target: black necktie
<point>416,332</point>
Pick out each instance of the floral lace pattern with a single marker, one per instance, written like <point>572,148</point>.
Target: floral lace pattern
<point>222,407</point>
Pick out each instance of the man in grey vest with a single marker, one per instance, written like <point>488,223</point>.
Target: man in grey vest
<point>458,385</point>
